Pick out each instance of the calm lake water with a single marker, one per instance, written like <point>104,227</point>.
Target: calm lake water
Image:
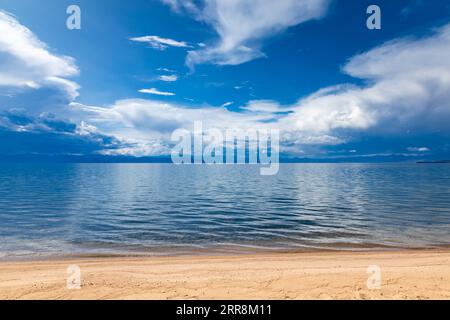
<point>157,209</point>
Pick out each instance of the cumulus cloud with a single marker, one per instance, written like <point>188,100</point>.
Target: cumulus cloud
<point>22,134</point>
<point>143,117</point>
<point>27,63</point>
<point>407,89</point>
<point>159,43</point>
<point>156,92</point>
<point>242,25</point>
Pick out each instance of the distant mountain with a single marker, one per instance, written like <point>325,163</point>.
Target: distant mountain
<point>435,161</point>
<point>42,158</point>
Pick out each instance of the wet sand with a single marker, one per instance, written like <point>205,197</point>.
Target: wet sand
<point>414,274</point>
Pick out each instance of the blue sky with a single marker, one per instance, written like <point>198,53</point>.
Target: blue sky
<point>137,71</point>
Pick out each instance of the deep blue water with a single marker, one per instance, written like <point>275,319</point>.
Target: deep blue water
<point>75,209</point>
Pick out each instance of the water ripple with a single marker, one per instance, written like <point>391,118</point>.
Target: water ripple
<point>159,208</point>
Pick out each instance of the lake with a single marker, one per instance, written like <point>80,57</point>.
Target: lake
<point>49,210</point>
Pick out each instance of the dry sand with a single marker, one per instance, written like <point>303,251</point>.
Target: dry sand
<point>324,275</point>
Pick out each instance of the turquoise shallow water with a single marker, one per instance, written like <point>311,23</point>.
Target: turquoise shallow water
<point>156,209</point>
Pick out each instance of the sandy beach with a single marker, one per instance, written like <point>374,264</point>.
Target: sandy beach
<point>421,274</point>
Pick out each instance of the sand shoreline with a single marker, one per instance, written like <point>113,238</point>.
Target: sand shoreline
<point>405,274</point>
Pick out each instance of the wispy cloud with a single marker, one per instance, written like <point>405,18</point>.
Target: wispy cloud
<point>159,43</point>
<point>183,5</point>
<point>168,78</point>
<point>156,92</point>
<point>418,149</point>
<point>227,104</point>
<point>262,106</point>
<point>165,70</point>
<point>242,25</point>
<point>411,7</point>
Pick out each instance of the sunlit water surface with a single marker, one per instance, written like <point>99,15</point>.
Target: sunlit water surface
<point>157,209</point>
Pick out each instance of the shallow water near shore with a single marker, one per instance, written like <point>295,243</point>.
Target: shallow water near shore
<point>49,210</point>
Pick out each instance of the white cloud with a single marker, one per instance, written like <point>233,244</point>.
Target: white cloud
<point>168,78</point>
<point>156,92</point>
<point>165,70</point>
<point>227,104</point>
<point>160,43</point>
<point>140,119</point>
<point>408,90</point>
<point>242,25</point>
<point>418,149</point>
<point>263,106</point>
<point>407,85</point>
<point>180,5</point>
<point>26,62</point>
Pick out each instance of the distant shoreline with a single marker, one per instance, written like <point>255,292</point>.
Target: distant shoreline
<point>431,162</point>
<point>33,158</point>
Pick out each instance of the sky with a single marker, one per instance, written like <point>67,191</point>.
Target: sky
<point>136,71</point>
